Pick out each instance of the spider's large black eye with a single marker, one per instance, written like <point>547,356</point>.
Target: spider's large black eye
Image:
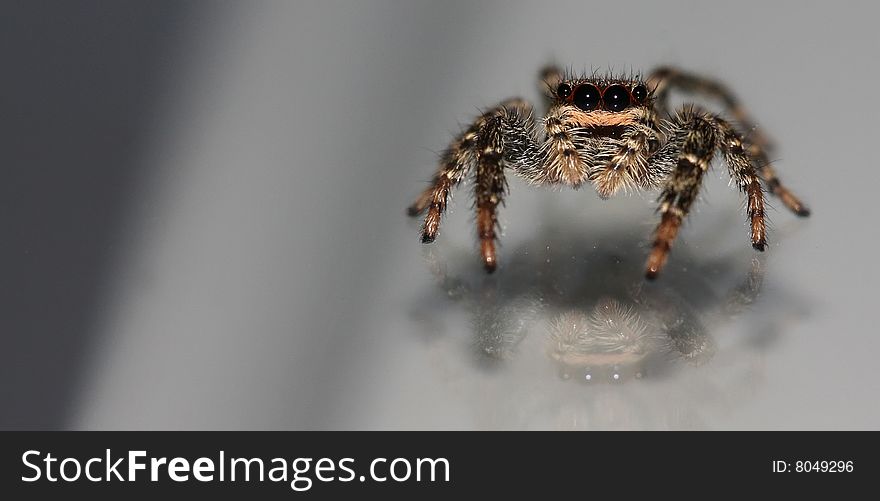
<point>563,91</point>
<point>616,98</point>
<point>640,93</point>
<point>586,97</point>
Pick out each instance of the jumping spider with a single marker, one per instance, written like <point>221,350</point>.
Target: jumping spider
<point>616,133</point>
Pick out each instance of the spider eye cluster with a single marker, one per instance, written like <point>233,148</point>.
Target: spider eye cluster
<point>589,97</point>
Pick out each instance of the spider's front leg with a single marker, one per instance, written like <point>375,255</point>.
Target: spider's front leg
<point>484,147</point>
<point>696,136</point>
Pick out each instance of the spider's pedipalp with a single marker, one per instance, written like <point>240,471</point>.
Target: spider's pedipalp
<point>628,165</point>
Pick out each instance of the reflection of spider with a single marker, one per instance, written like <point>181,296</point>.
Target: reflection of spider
<point>620,340</point>
<point>492,342</point>
<point>609,327</point>
<point>616,133</point>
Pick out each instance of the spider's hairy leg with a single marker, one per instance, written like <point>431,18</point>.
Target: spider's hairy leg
<point>456,161</point>
<point>489,190</point>
<point>504,135</point>
<point>768,174</point>
<point>739,164</point>
<point>663,79</point>
<point>697,136</point>
<point>695,141</point>
<point>500,140</point>
<point>549,78</point>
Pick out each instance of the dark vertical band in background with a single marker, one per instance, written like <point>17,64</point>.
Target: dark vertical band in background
<point>78,83</point>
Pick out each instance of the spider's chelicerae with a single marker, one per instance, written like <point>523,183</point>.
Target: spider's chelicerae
<point>615,133</point>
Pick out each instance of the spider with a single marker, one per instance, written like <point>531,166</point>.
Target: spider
<point>616,133</point>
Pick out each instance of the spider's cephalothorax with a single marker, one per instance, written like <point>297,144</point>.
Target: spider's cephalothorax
<point>615,133</point>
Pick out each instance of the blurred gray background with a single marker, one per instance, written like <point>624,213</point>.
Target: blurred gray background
<point>202,216</point>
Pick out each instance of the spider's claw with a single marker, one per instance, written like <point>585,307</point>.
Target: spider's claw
<point>427,239</point>
<point>788,199</point>
<point>487,252</point>
<point>759,246</point>
<point>651,273</point>
<point>422,203</point>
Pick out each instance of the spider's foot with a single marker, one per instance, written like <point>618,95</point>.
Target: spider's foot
<point>427,239</point>
<point>656,260</point>
<point>789,200</point>
<point>660,252</point>
<point>655,263</point>
<point>489,266</point>
<point>487,250</point>
<point>759,246</point>
<point>413,210</point>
